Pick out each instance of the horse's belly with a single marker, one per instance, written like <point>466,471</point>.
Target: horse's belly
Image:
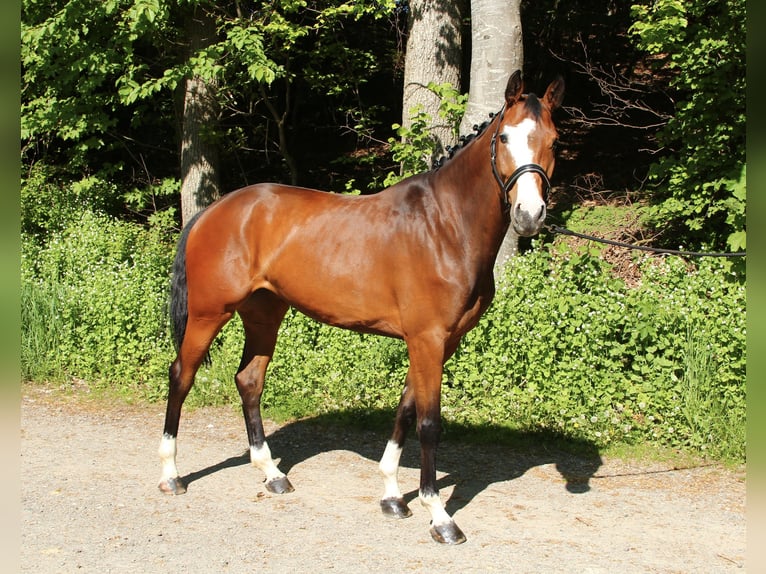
<point>341,299</point>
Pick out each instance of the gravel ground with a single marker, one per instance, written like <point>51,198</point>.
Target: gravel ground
<point>90,503</point>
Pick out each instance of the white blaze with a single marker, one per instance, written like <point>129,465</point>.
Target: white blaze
<point>527,190</point>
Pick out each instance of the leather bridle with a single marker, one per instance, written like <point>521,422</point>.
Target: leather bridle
<point>521,170</point>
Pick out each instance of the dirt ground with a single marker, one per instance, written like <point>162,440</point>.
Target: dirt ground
<point>90,503</point>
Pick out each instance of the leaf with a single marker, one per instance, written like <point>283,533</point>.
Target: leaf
<point>737,241</point>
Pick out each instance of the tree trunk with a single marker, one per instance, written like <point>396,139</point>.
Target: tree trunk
<point>434,54</point>
<point>496,52</point>
<point>199,151</point>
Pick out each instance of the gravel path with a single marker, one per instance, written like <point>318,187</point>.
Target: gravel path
<point>90,503</point>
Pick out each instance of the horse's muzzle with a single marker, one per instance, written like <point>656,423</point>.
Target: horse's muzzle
<point>527,223</point>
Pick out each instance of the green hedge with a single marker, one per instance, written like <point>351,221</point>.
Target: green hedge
<point>566,347</point>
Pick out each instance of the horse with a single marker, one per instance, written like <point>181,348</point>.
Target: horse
<point>413,261</point>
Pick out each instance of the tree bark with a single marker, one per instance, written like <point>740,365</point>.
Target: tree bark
<point>434,54</point>
<point>496,52</point>
<point>199,151</point>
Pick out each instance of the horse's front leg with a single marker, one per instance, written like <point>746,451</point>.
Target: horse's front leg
<point>426,363</point>
<point>443,527</point>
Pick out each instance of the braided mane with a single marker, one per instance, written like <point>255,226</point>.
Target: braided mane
<point>531,102</point>
<point>463,141</point>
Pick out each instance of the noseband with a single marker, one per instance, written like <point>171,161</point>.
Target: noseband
<point>521,170</point>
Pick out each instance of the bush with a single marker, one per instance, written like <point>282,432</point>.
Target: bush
<point>570,348</point>
<point>566,347</point>
<point>94,301</point>
<point>49,203</point>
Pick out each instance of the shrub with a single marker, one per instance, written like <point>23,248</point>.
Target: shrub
<point>566,346</point>
<point>100,285</point>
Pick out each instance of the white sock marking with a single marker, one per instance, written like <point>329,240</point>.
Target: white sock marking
<point>167,452</point>
<point>261,458</point>
<point>434,505</point>
<point>389,466</point>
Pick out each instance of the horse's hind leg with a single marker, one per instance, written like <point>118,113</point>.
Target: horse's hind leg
<point>198,337</point>
<point>261,316</point>
<point>392,504</point>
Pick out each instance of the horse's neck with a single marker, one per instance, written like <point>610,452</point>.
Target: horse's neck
<point>467,186</point>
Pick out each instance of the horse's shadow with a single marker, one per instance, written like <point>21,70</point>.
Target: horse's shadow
<point>471,458</point>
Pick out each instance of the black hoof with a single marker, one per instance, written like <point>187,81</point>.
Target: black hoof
<point>448,533</point>
<point>173,486</point>
<point>279,485</point>
<point>395,508</point>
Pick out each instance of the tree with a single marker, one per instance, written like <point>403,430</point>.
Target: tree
<point>434,55</point>
<point>264,60</point>
<point>496,52</point>
<point>700,181</point>
<point>199,154</point>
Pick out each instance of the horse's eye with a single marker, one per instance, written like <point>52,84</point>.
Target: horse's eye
<point>555,145</point>
<point>504,138</point>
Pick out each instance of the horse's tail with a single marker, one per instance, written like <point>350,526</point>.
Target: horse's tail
<point>179,290</point>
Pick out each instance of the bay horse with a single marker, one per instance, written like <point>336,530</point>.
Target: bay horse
<point>414,261</point>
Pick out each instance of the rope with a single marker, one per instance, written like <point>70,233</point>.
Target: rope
<point>565,231</point>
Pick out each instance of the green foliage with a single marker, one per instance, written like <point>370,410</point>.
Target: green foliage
<point>71,57</point>
<point>48,203</point>
<point>413,148</point>
<point>566,347</point>
<point>101,81</point>
<point>570,348</point>
<point>317,368</point>
<point>100,286</point>
<point>415,145</point>
<point>701,178</point>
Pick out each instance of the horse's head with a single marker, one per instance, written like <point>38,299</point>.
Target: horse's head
<point>523,152</point>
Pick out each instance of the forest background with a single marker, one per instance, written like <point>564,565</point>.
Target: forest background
<point>613,347</point>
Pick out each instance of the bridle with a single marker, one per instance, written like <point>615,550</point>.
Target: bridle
<point>521,170</point>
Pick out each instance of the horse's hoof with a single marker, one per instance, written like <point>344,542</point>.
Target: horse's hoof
<point>447,533</point>
<point>173,486</point>
<point>279,485</point>
<point>395,508</point>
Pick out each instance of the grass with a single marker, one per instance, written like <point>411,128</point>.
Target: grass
<point>40,336</point>
<point>705,412</point>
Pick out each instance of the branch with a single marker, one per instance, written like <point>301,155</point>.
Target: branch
<point>625,97</point>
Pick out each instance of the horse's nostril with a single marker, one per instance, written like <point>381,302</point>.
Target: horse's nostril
<point>539,216</point>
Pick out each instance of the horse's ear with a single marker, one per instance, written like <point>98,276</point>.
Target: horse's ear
<point>554,95</point>
<point>514,88</point>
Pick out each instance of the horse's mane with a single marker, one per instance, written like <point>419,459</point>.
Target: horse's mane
<point>531,102</point>
<point>463,141</point>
